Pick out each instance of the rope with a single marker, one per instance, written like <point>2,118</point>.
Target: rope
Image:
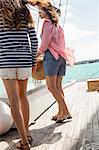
<point>59,4</point>
<point>38,25</point>
<point>65,13</point>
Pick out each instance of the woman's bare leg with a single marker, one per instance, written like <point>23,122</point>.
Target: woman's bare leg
<point>22,85</point>
<point>59,84</point>
<point>14,100</point>
<point>59,87</point>
<point>52,86</point>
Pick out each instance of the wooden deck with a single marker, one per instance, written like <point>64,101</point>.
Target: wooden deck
<point>48,135</point>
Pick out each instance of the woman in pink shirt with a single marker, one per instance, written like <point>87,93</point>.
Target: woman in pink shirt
<point>53,46</point>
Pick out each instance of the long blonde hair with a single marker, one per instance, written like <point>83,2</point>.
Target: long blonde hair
<point>49,9</point>
<point>11,13</point>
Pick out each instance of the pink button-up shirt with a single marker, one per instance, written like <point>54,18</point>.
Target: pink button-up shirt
<point>53,39</point>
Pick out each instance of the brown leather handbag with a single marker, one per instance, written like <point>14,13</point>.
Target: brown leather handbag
<point>39,73</point>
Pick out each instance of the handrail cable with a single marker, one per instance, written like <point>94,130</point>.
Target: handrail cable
<point>59,4</point>
<point>38,25</point>
<point>65,17</point>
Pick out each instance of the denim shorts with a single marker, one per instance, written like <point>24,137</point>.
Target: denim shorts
<point>53,67</point>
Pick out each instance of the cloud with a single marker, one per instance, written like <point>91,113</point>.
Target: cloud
<point>86,51</point>
<point>73,32</point>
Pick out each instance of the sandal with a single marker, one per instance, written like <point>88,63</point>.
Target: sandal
<point>22,146</point>
<point>66,118</point>
<point>30,139</point>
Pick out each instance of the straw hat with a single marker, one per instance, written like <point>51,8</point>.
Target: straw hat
<point>39,73</point>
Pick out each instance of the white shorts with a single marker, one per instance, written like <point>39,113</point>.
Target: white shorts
<point>15,73</point>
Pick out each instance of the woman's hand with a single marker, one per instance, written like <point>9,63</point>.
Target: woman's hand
<point>34,69</point>
<point>38,54</point>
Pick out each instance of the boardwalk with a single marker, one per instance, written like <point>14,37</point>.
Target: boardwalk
<point>48,135</point>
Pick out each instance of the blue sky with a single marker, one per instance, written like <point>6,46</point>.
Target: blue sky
<point>81,27</point>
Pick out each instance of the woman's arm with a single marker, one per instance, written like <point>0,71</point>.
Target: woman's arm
<point>48,30</point>
<point>34,44</point>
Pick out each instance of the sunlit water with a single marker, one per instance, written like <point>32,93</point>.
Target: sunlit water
<point>77,72</point>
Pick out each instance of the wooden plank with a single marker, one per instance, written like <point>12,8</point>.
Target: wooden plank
<point>48,135</point>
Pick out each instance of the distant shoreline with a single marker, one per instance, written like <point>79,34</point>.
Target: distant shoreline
<point>86,61</point>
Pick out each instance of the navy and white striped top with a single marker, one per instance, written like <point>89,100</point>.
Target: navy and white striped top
<point>15,49</point>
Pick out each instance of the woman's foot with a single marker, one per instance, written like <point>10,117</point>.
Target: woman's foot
<point>62,118</point>
<point>57,116</point>
<point>30,139</point>
<point>54,117</point>
<point>29,136</point>
<point>22,146</point>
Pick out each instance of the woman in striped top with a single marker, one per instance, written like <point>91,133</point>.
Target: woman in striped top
<point>18,47</point>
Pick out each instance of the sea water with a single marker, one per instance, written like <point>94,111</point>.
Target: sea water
<point>77,72</point>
